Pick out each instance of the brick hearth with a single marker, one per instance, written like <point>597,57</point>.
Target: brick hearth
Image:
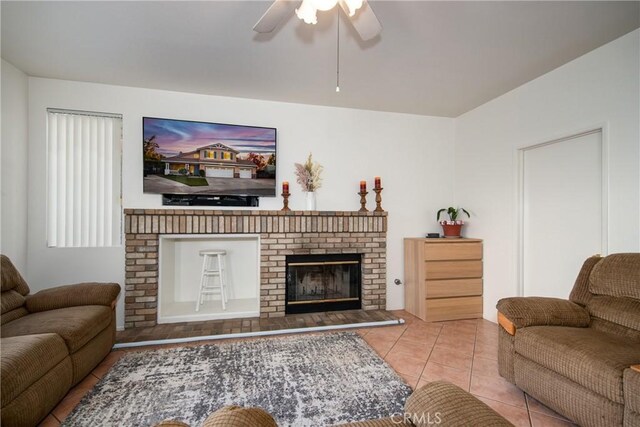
<point>281,234</point>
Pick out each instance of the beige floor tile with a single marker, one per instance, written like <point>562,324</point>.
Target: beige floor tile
<point>437,372</point>
<point>486,350</point>
<point>380,344</point>
<point>517,416</point>
<point>485,367</point>
<point>405,364</point>
<point>454,343</point>
<point>497,388</point>
<point>50,421</point>
<point>537,406</point>
<point>412,381</point>
<point>449,357</point>
<point>540,420</point>
<point>390,332</point>
<point>414,346</point>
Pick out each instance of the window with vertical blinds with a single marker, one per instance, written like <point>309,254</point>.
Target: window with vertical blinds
<point>84,179</point>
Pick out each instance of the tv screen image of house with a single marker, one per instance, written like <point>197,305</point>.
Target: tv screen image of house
<point>187,157</point>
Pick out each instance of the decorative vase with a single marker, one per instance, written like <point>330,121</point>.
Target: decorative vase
<point>451,231</point>
<point>311,200</point>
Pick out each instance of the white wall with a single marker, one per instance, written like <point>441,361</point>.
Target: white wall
<point>13,226</point>
<point>413,155</point>
<point>600,88</point>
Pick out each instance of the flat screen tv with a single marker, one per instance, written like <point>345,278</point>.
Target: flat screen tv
<point>198,158</point>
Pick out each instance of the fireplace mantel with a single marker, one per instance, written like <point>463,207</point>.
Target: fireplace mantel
<point>281,234</point>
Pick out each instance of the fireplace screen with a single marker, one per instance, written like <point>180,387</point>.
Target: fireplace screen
<point>323,282</point>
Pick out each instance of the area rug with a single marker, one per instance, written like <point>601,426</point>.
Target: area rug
<point>306,380</point>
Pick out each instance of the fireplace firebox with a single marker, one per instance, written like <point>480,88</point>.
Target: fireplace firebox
<point>324,282</point>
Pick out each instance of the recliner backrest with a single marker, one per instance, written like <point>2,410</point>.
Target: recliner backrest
<point>14,289</point>
<point>614,284</point>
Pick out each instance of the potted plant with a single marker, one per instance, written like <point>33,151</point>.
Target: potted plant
<point>451,229</point>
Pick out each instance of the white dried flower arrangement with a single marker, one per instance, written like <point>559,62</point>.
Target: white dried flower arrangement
<point>308,175</point>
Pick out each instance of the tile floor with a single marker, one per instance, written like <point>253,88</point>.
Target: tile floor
<point>463,352</point>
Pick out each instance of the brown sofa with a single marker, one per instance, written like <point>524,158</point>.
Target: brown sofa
<point>580,356</point>
<point>437,403</point>
<point>50,341</point>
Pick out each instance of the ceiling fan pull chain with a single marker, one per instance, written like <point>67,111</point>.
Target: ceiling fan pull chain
<point>338,53</point>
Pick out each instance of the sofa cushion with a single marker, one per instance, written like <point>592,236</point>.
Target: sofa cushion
<point>617,275</point>
<point>10,278</point>
<point>589,357</point>
<point>11,306</point>
<point>25,359</point>
<point>619,310</point>
<point>76,325</point>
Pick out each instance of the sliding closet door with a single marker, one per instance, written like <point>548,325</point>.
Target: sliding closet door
<point>562,207</point>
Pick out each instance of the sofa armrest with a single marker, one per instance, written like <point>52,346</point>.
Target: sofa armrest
<point>520,312</point>
<point>440,402</point>
<point>73,295</point>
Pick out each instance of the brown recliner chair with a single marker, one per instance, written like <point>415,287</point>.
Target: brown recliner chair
<point>580,356</point>
<point>50,341</point>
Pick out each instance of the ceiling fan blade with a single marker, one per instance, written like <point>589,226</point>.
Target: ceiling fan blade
<point>276,13</point>
<point>364,21</point>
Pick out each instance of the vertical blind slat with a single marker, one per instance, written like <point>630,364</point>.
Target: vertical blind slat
<point>108,175</point>
<point>52,153</point>
<point>62,181</point>
<point>84,181</point>
<point>83,201</point>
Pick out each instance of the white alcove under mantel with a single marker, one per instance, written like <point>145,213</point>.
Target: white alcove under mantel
<point>180,267</point>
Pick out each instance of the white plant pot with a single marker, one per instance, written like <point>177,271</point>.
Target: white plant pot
<point>311,200</point>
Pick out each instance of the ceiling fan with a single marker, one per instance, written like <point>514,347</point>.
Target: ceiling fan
<point>359,13</point>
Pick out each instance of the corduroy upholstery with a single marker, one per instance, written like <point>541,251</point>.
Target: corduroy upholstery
<point>442,403</point>
<point>76,325</point>
<point>237,416</point>
<point>50,341</point>
<point>80,294</point>
<point>436,403</point>
<point>632,393</point>
<point>573,355</point>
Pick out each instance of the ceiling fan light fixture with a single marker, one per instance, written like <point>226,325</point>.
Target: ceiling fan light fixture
<point>353,5</point>
<point>324,4</point>
<point>307,12</point>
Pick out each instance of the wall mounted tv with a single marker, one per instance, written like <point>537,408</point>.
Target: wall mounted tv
<point>208,159</point>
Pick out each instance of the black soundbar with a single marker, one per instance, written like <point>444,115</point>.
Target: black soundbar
<point>200,200</point>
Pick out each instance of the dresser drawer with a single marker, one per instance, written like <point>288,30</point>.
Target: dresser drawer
<point>453,308</point>
<point>453,288</point>
<point>452,269</point>
<point>452,251</point>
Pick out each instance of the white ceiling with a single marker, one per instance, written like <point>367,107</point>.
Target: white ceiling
<point>432,58</point>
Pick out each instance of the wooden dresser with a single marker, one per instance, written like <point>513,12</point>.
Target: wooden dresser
<point>443,278</point>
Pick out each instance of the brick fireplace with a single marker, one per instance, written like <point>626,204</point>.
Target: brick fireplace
<point>281,234</point>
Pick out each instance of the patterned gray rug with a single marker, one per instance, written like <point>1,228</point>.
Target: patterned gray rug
<point>306,380</point>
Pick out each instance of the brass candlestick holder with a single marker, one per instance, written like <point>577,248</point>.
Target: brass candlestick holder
<point>363,201</point>
<point>378,200</point>
<point>285,201</point>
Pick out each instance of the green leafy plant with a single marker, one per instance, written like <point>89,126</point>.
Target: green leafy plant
<point>453,215</point>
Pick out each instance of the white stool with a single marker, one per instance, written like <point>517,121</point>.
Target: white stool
<point>213,265</point>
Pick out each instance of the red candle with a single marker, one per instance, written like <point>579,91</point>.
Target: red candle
<point>285,186</point>
<point>377,180</point>
<point>363,186</point>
